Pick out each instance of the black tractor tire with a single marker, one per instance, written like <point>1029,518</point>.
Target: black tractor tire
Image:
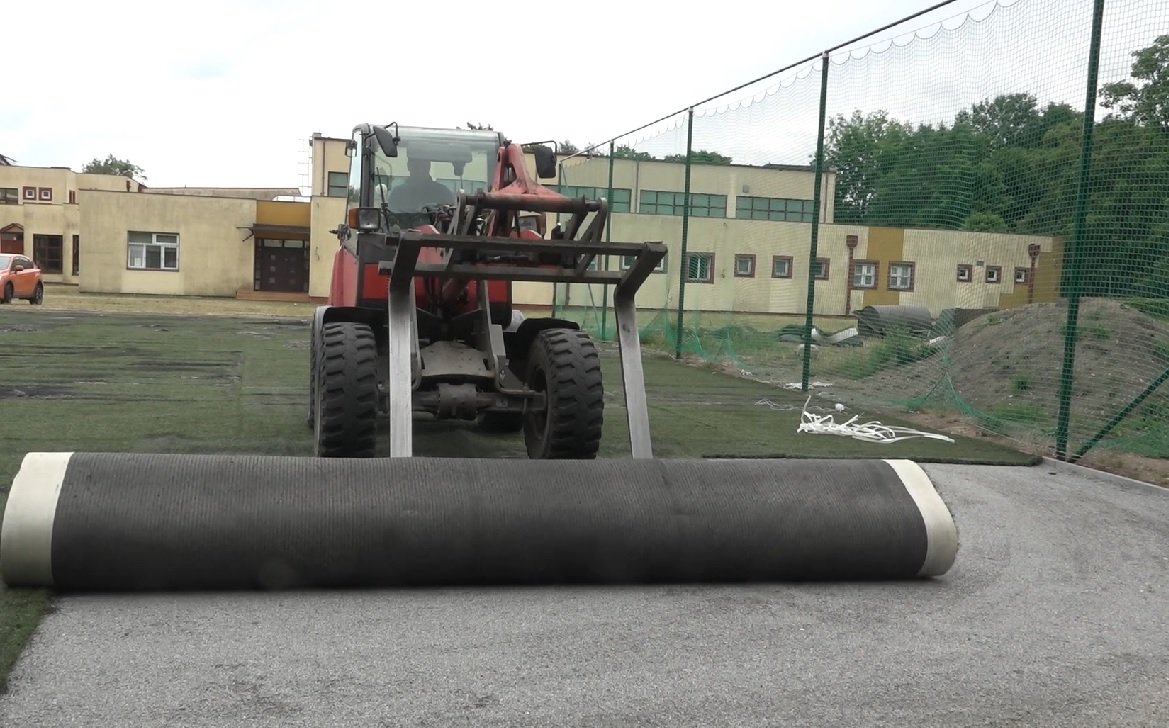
<point>346,391</point>
<point>38,296</point>
<point>6,297</point>
<point>564,364</point>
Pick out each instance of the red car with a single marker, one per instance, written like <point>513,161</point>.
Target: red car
<point>20,278</point>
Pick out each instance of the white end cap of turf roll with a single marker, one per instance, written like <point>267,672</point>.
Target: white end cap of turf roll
<point>26,534</point>
<point>940,529</point>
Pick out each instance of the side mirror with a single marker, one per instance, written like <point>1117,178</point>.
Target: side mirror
<point>545,161</point>
<point>387,141</point>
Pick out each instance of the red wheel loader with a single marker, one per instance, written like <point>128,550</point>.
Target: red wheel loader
<point>439,224</point>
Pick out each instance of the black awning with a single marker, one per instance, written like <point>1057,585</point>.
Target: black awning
<point>263,229</point>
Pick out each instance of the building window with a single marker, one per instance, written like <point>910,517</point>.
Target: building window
<point>153,251</point>
<point>621,201</point>
<point>45,194</point>
<point>9,196</point>
<point>776,209</point>
<point>12,239</point>
<point>700,267</point>
<point>29,193</point>
<point>76,255</point>
<point>654,202</point>
<point>965,272</point>
<point>47,252</point>
<point>338,184</point>
<point>901,276</point>
<point>994,274</point>
<point>864,274</point>
<point>628,260</point>
<point>745,265</point>
<point>781,266</point>
<point>820,269</point>
<point>1023,275</point>
<point>72,197</point>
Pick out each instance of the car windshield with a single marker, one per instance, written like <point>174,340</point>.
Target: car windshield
<point>5,261</point>
<point>432,167</point>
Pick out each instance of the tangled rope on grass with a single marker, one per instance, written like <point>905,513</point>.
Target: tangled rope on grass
<point>867,431</point>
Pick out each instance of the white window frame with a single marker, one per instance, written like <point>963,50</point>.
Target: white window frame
<point>749,260</point>
<point>707,262</point>
<point>627,263</point>
<point>157,240</point>
<point>864,274</point>
<point>788,262</point>
<point>898,272</point>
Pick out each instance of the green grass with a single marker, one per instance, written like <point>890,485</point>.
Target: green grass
<point>76,381</point>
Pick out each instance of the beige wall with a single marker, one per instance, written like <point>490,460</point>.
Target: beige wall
<point>58,216</point>
<point>328,156</point>
<point>214,257</point>
<point>327,213</point>
<point>936,255</point>
<point>730,180</point>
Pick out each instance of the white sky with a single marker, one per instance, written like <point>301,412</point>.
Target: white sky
<point>228,92</point>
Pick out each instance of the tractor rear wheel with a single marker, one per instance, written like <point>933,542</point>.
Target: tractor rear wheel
<point>346,391</point>
<point>565,366</point>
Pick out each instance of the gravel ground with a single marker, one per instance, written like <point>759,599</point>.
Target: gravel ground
<point>1056,613</point>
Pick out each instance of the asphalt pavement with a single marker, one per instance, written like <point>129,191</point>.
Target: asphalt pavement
<point>1055,613</point>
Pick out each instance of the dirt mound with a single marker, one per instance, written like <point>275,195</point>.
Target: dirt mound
<point>1008,363</point>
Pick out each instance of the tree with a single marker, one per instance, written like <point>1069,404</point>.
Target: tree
<point>567,148</point>
<point>1145,103</point>
<point>700,156</point>
<point>861,149</point>
<point>479,127</point>
<point>115,166</point>
<point>624,151</point>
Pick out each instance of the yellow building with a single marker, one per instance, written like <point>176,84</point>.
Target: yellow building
<point>748,244</point>
<point>40,215</point>
<point>748,240</point>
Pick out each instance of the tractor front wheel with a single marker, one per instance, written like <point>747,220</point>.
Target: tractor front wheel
<point>346,391</point>
<point>565,366</point>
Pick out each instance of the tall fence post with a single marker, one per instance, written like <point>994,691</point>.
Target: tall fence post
<point>1074,270</point>
<point>683,267</point>
<point>816,202</point>
<point>608,239</point>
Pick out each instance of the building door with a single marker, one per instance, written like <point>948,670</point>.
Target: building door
<point>47,253</point>
<point>281,265</point>
<point>12,239</point>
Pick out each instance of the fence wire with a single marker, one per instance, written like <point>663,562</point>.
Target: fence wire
<point>974,249</point>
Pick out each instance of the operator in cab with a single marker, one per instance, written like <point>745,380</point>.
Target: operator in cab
<point>419,190</point>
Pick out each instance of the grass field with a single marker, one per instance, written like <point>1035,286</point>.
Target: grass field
<point>127,380</point>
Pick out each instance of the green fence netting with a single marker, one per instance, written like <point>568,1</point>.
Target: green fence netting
<point>923,221</point>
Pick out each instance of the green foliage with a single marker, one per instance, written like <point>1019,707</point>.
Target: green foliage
<point>113,165</point>
<point>1145,103</point>
<point>985,222</point>
<point>699,156</point>
<point>623,151</point>
<point>1008,165</point>
<point>1020,383</point>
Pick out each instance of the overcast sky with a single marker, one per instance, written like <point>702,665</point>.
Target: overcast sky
<point>228,92</point>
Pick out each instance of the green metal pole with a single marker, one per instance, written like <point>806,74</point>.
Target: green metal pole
<point>1136,402</point>
<point>1075,257</point>
<point>812,249</point>
<point>683,268</point>
<point>608,238</point>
